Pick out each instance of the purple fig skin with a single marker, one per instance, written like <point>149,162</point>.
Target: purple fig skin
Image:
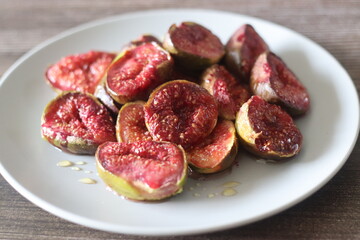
<point>106,99</point>
<point>193,46</point>
<point>276,83</point>
<point>242,49</point>
<point>146,38</point>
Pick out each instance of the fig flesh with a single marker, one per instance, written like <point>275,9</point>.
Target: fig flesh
<point>80,72</point>
<point>193,46</point>
<point>227,91</point>
<point>181,112</point>
<point>276,83</point>
<point>77,123</point>
<point>130,124</point>
<point>144,170</point>
<point>217,152</point>
<point>242,49</point>
<point>136,71</point>
<point>267,130</point>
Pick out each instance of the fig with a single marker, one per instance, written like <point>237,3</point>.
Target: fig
<point>146,38</point>
<point>276,83</point>
<point>217,152</point>
<point>242,49</point>
<point>144,170</point>
<point>79,72</point>
<point>180,112</point>
<point>227,91</point>
<point>136,71</point>
<point>267,130</point>
<point>130,124</point>
<point>76,122</point>
<point>193,46</point>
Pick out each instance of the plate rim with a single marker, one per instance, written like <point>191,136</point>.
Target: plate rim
<point>95,224</point>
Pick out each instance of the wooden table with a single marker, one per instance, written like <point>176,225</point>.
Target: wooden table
<point>331,213</point>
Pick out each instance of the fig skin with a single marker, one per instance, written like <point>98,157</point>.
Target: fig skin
<point>193,46</point>
<point>217,152</point>
<point>61,127</point>
<point>272,135</point>
<point>130,123</point>
<point>227,91</point>
<point>132,82</point>
<point>276,83</point>
<point>145,38</point>
<point>78,72</point>
<point>106,99</point>
<point>180,112</point>
<point>125,168</point>
<point>242,49</point>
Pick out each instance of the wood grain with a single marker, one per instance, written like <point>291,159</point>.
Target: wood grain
<point>331,213</point>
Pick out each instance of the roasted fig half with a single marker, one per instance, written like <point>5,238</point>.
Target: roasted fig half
<point>145,170</point>
<point>267,130</point>
<point>130,124</point>
<point>181,112</point>
<point>227,91</point>
<point>242,49</point>
<point>136,71</point>
<point>79,72</point>
<point>77,123</point>
<point>276,83</point>
<point>193,46</point>
<point>217,152</point>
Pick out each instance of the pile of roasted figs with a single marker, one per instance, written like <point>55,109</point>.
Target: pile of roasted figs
<point>159,108</point>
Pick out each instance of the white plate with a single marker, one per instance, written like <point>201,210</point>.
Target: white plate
<point>28,163</point>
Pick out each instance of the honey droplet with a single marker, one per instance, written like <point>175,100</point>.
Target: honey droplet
<point>76,169</point>
<point>229,192</point>
<point>196,194</point>
<point>231,184</point>
<point>211,195</point>
<point>87,181</point>
<point>80,163</point>
<point>64,163</point>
